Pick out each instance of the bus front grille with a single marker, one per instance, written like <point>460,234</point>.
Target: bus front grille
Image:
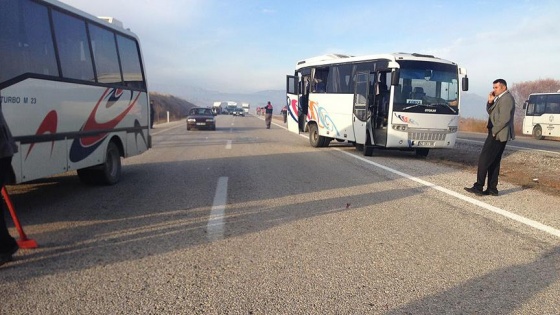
<point>426,136</point>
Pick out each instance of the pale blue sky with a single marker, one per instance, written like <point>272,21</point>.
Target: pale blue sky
<point>250,45</point>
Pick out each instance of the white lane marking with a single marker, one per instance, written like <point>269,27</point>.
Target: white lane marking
<point>215,226</point>
<point>228,145</point>
<point>507,214</point>
<point>511,146</point>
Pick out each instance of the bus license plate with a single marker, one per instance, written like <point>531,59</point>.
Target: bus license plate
<point>426,143</point>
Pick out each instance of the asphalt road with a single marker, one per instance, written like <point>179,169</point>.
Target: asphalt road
<point>245,220</point>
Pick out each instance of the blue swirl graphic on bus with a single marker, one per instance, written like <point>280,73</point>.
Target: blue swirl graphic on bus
<point>326,121</point>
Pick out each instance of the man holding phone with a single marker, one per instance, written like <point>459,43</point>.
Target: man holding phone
<point>501,110</point>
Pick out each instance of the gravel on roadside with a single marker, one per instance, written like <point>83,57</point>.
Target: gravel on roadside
<point>527,168</point>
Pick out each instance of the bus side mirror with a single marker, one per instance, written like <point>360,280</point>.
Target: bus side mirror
<point>396,77</point>
<point>465,83</point>
<point>525,104</point>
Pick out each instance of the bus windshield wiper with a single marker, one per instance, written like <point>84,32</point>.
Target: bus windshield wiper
<point>445,105</point>
<point>416,105</point>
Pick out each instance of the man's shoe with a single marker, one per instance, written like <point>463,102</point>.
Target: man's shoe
<point>474,190</point>
<point>491,192</point>
<point>8,256</point>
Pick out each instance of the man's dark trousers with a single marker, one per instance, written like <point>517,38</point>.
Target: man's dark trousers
<point>489,163</point>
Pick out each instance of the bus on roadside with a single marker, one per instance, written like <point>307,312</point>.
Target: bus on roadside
<point>399,101</point>
<point>73,91</point>
<point>542,115</point>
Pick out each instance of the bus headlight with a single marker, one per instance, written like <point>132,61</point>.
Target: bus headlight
<point>453,129</point>
<point>400,127</point>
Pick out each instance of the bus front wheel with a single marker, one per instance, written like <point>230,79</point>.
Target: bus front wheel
<point>315,139</point>
<point>108,173</point>
<point>537,132</point>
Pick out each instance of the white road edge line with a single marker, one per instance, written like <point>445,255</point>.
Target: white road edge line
<point>228,145</point>
<point>502,212</point>
<point>215,226</point>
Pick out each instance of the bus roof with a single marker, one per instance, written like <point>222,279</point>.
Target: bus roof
<point>545,93</point>
<point>340,58</point>
<point>109,22</point>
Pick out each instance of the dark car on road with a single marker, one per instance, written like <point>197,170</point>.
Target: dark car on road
<point>201,118</point>
<point>238,112</point>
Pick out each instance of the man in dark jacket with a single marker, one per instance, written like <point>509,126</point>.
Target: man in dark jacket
<point>268,116</point>
<point>8,245</point>
<point>501,110</point>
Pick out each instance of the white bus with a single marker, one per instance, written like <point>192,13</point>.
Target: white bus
<point>246,107</point>
<point>404,101</point>
<point>73,91</point>
<point>542,115</point>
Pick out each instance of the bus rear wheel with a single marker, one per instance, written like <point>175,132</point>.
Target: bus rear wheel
<point>537,132</point>
<point>107,173</point>
<point>315,139</point>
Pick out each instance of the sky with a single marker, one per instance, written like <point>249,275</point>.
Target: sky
<point>246,46</point>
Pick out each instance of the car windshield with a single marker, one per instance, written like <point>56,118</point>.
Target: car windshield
<point>201,111</point>
<point>427,87</point>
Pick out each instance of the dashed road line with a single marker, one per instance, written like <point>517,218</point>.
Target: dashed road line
<point>215,226</point>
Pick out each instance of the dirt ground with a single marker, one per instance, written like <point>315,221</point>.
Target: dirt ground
<point>528,169</point>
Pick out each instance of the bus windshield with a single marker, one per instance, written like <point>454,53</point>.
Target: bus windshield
<point>427,87</point>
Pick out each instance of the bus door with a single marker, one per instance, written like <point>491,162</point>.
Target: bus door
<point>361,114</point>
<point>292,99</point>
<point>381,108</point>
<point>529,107</point>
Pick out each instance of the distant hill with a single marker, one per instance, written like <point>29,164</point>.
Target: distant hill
<point>163,103</point>
<point>205,98</point>
<point>473,106</point>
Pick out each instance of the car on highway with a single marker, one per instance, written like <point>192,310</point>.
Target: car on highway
<point>201,118</point>
<point>238,112</point>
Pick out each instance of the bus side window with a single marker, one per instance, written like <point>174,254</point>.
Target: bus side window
<point>26,40</point>
<point>530,109</point>
<point>553,104</point>
<point>553,108</point>
<point>73,47</point>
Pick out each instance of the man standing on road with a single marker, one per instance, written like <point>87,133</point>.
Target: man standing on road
<point>268,116</point>
<point>501,109</point>
<point>8,245</point>
<point>152,114</point>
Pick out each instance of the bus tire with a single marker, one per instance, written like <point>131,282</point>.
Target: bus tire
<point>537,132</point>
<point>315,139</point>
<point>108,173</point>
<point>422,152</point>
